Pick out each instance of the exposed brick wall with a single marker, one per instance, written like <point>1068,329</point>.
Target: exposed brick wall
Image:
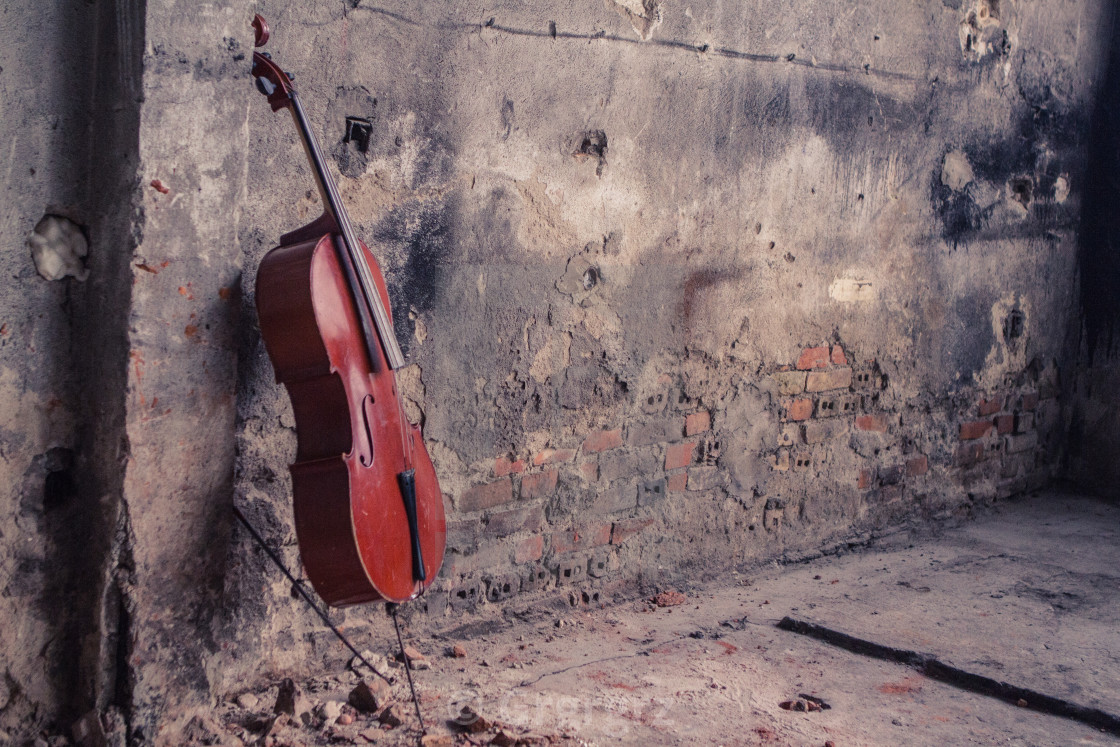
<point>842,452</point>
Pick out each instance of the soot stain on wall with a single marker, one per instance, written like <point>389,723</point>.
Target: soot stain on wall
<point>1100,218</point>
<point>420,237</point>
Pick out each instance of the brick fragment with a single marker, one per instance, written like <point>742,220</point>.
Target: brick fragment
<point>817,431</point>
<point>553,456</point>
<point>489,556</point>
<point>1019,444</point>
<point>975,429</point>
<point>502,523</point>
<point>651,491</point>
<point>656,432</point>
<point>990,406</point>
<point>529,549</point>
<point>813,358</point>
<point>602,440</point>
<point>889,493</point>
<point>1004,424</point>
<point>624,530</point>
<point>504,466</point>
<point>705,478</point>
<point>820,381</point>
<point>616,498</point>
<point>799,409</point>
<point>1029,400</point>
<point>582,539</point>
<point>863,482</point>
<point>876,422</point>
<point>1008,488</point>
<point>790,382</point>
<point>590,471</point>
<point>969,454</point>
<point>679,455</point>
<point>917,466</point>
<point>838,357</point>
<point>780,460</point>
<point>539,485</point>
<point>697,422</point>
<point>676,483</point>
<point>891,475</point>
<point>486,495</point>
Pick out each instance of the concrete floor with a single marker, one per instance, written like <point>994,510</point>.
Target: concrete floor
<point>1027,595</point>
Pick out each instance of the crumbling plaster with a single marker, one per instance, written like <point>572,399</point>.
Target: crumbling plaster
<point>612,234</point>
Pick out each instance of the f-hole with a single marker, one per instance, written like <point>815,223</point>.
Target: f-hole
<point>365,451</point>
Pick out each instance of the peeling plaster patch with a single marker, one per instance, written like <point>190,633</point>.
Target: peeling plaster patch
<point>1010,318</point>
<point>543,224</point>
<point>59,248</point>
<point>981,33</point>
<point>1061,189</point>
<point>411,387</point>
<point>848,290</point>
<point>644,15</point>
<point>555,355</point>
<point>956,171</point>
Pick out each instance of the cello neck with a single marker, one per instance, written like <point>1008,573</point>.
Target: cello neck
<point>332,203</point>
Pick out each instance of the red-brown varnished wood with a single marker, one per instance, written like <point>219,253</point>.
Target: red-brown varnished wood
<point>353,438</point>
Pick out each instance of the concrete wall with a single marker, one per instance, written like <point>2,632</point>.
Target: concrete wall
<point>682,286</point>
<point>1094,439</point>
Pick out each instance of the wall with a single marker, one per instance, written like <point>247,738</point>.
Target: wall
<point>683,287</point>
<point>1094,439</point>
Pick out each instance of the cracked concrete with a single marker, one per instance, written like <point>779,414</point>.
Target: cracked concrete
<point>1023,594</point>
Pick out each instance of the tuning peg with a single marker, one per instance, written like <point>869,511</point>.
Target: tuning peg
<point>265,86</point>
<point>266,55</point>
<point>290,76</point>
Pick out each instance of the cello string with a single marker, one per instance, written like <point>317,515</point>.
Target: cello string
<point>307,597</point>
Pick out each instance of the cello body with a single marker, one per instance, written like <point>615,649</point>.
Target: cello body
<point>369,512</point>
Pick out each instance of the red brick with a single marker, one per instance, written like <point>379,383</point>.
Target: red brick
<point>1030,400</point>
<point>876,423</point>
<point>624,530</point>
<point>1005,424</point>
<point>800,409</point>
<point>813,358</point>
<point>837,378</point>
<point>990,406</point>
<point>553,456</point>
<point>590,471</point>
<point>602,440</point>
<point>503,467</point>
<point>697,422</point>
<point>975,429</point>
<point>679,455</point>
<point>583,539</point>
<point>864,480</point>
<point>539,485</point>
<point>486,495</point>
<point>529,550</point>
<point>838,357</point>
<point>917,466</point>
<point>676,483</point>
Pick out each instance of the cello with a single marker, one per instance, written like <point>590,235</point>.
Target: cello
<point>369,513</point>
